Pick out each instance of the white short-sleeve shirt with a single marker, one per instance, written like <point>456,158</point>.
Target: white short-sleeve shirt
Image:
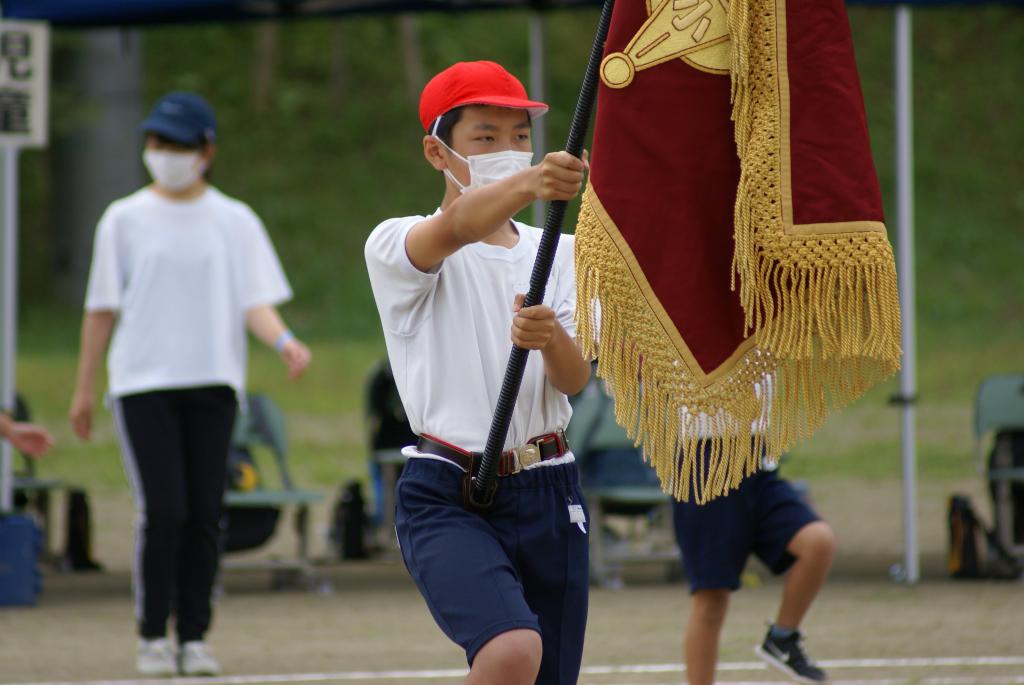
<point>181,276</point>
<point>448,333</point>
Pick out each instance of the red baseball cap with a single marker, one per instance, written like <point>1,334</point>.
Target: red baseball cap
<point>474,83</point>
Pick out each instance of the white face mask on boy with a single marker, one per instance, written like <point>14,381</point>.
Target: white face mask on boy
<point>174,171</point>
<point>490,167</point>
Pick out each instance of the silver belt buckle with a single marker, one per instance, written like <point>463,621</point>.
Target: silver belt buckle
<point>526,456</point>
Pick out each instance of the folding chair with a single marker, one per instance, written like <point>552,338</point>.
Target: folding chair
<point>252,514</point>
<point>617,483</point>
<point>31,492</point>
<point>389,431</point>
<point>999,421</point>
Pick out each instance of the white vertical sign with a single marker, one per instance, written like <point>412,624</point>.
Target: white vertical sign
<point>24,95</point>
<point>24,83</point>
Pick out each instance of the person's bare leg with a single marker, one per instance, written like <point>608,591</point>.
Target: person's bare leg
<point>511,658</point>
<point>703,629</point>
<point>814,547</point>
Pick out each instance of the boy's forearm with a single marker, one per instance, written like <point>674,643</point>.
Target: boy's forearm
<point>564,365</point>
<point>468,219</point>
<point>480,212</point>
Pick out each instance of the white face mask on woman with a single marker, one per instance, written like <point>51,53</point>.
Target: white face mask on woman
<point>488,168</point>
<point>174,171</point>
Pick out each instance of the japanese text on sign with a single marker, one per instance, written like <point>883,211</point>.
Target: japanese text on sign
<point>24,82</point>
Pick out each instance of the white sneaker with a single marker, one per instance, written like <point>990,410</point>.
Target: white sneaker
<point>156,658</point>
<point>196,659</point>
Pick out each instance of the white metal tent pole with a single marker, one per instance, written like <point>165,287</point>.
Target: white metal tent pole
<point>538,70</point>
<point>905,269</point>
<point>8,308</point>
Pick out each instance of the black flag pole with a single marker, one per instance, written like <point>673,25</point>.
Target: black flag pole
<point>481,488</point>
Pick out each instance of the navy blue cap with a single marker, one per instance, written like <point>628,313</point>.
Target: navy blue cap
<point>182,117</point>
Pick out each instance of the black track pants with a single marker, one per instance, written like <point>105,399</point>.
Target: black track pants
<point>175,446</point>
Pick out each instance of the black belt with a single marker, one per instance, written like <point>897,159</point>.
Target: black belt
<point>511,462</point>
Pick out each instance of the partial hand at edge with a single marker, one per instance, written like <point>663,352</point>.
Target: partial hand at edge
<point>33,440</point>
<point>296,357</point>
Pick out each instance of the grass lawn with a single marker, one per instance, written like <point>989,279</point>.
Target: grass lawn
<point>324,413</point>
<point>325,410</point>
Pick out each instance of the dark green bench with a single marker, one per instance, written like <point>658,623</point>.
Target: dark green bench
<point>629,523</point>
<point>648,537</point>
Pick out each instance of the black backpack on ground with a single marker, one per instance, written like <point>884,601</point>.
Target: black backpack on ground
<point>246,527</point>
<point>350,522</point>
<point>974,551</point>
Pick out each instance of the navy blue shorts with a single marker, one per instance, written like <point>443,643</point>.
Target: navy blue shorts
<point>522,565</point>
<point>760,517</point>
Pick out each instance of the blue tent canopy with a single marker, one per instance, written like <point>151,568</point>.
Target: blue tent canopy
<point>129,12</point>
<point>126,12</point>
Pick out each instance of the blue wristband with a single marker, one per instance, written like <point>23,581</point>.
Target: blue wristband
<point>283,340</point>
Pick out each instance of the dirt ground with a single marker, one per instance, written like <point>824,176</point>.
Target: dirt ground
<point>375,622</point>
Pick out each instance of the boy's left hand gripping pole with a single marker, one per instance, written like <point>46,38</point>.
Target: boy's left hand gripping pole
<point>479,489</point>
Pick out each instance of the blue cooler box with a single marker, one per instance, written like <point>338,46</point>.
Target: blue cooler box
<point>20,580</point>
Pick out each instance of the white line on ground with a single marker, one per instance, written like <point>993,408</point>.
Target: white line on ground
<point>924,662</point>
<point>732,666</point>
<point>994,680</point>
<point>272,679</point>
<point>884,681</point>
<point>921,662</point>
<point>958,680</point>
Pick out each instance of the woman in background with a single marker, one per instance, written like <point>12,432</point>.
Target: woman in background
<point>179,272</point>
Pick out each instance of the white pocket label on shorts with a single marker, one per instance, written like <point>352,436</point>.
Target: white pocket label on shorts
<point>577,516</point>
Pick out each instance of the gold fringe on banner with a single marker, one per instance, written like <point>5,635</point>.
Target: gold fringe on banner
<point>832,285</point>
<point>662,396</point>
<point>820,303</point>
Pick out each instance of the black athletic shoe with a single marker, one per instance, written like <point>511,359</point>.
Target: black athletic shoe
<point>788,656</point>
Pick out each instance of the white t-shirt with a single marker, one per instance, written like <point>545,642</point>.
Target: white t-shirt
<point>703,426</point>
<point>181,276</point>
<point>448,333</point>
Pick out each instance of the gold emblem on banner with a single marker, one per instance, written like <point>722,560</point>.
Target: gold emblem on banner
<point>696,31</point>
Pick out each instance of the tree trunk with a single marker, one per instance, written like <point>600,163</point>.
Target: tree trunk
<point>339,64</point>
<point>263,64</point>
<point>97,158</point>
<point>412,55</point>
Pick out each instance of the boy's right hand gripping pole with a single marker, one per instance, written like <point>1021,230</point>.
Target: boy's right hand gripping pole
<point>481,488</point>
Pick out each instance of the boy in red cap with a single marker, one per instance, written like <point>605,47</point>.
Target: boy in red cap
<point>508,585</point>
